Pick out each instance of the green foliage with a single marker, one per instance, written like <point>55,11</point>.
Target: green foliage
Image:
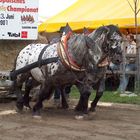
<point>108,96</point>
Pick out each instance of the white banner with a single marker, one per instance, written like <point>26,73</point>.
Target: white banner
<point>18,19</point>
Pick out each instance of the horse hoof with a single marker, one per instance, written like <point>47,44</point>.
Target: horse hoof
<point>19,107</point>
<point>27,108</point>
<point>85,116</point>
<point>19,110</point>
<point>92,110</point>
<point>77,109</point>
<point>37,117</point>
<point>89,116</point>
<point>65,107</point>
<point>92,113</point>
<point>79,117</point>
<point>36,114</point>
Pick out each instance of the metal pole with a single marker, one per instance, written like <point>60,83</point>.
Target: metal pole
<point>137,75</point>
<point>124,44</point>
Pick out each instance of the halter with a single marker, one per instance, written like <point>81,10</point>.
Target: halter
<point>104,61</point>
<point>65,58</point>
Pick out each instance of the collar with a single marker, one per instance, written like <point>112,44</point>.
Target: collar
<point>66,59</point>
<point>105,62</point>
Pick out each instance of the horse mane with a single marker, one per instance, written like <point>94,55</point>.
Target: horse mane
<point>110,29</point>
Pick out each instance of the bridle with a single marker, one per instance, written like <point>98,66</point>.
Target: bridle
<point>107,49</point>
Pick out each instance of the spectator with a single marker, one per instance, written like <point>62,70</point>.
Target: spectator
<point>130,65</point>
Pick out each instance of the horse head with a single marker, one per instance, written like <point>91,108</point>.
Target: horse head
<point>80,51</point>
<point>109,39</point>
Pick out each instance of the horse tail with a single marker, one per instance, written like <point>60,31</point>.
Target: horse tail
<point>12,74</point>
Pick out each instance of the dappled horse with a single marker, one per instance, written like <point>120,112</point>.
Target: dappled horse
<point>110,43</point>
<point>84,51</point>
<point>56,73</point>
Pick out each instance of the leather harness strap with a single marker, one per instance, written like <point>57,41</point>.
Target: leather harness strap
<point>104,62</point>
<point>40,55</point>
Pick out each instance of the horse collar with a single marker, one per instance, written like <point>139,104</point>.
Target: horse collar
<point>104,61</point>
<point>66,59</point>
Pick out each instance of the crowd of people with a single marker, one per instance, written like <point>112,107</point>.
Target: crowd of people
<point>129,65</point>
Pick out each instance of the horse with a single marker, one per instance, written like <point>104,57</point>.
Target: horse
<point>21,62</point>
<point>99,75</point>
<point>92,56</point>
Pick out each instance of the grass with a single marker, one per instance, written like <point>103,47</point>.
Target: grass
<point>109,96</point>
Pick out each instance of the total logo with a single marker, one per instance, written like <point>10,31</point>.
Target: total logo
<point>24,34</point>
<point>10,34</point>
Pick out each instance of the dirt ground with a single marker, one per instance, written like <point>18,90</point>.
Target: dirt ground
<point>109,123</point>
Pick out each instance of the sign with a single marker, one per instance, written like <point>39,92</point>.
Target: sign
<point>18,19</point>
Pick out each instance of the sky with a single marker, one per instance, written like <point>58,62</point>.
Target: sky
<point>48,8</point>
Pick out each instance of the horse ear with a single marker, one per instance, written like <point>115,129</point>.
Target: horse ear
<point>89,42</point>
<point>67,29</point>
<point>85,31</point>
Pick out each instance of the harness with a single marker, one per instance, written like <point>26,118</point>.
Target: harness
<point>39,63</point>
<point>65,58</point>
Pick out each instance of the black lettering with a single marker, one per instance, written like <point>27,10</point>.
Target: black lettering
<point>13,34</point>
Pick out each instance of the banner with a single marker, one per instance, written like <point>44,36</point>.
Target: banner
<point>18,19</point>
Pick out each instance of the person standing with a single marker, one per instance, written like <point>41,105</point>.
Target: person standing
<point>129,66</point>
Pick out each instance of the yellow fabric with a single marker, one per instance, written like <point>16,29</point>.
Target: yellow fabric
<point>92,14</point>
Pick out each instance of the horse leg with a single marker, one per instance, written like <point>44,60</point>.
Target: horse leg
<point>82,105</point>
<point>84,102</point>
<point>79,107</point>
<point>44,93</point>
<point>63,98</point>
<point>29,84</point>
<point>18,90</point>
<point>99,93</point>
<point>67,91</point>
<point>28,87</point>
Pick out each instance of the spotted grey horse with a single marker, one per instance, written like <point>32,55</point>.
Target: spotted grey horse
<point>98,76</point>
<point>94,55</point>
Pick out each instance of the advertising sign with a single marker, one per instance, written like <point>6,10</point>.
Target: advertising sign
<point>18,19</point>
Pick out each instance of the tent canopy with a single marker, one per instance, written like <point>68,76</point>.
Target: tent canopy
<point>92,14</point>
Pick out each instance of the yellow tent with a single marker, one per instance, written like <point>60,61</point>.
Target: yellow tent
<point>92,14</point>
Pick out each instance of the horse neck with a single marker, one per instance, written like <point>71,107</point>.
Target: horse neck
<point>78,50</point>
